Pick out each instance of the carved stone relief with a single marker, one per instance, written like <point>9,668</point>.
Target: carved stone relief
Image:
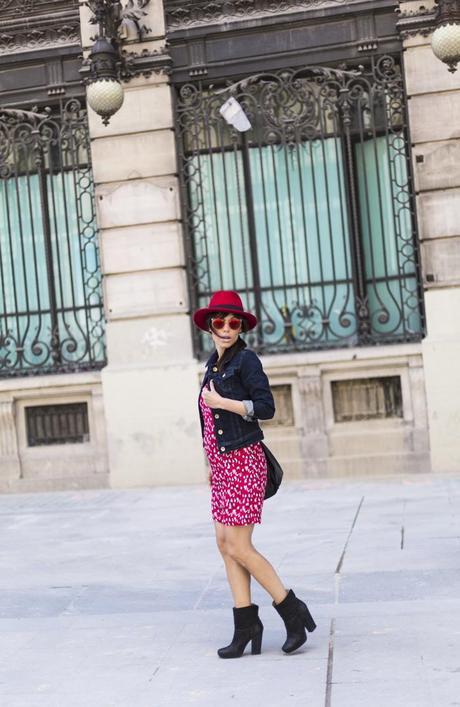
<point>27,25</point>
<point>35,8</point>
<point>21,40</point>
<point>179,14</point>
<point>419,21</point>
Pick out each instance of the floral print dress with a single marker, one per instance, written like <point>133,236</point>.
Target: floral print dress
<point>238,478</point>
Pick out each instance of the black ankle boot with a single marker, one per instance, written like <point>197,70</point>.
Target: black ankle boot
<point>248,627</point>
<point>297,618</point>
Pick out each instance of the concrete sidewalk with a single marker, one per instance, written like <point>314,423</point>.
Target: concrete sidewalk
<point>119,598</point>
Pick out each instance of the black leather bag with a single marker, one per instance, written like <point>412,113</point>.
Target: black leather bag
<point>274,473</point>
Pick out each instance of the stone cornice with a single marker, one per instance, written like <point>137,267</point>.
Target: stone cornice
<point>416,22</point>
<point>180,15</point>
<point>28,25</point>
<point>16,38</point>
<point>35,9</point>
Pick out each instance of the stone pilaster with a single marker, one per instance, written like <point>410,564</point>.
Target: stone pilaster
<point>150,385</point>
<point>435,131</point>
<point>314,441</point>
<point>10,467</point>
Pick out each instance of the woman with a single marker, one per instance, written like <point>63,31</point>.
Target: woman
<point>235,393</point>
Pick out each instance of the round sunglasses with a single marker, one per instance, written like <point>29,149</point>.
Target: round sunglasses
<point>218,323</point>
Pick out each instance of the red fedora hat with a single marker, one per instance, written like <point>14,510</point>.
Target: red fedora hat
<point>224,301</point>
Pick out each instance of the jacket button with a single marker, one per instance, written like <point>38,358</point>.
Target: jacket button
<point>221,432</point>
<point>222,449</point>
<point>214,368</point>
<point>216,416</point>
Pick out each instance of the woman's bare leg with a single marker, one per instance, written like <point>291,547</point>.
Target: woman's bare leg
<point>238,576</point>
<point>238,546</point>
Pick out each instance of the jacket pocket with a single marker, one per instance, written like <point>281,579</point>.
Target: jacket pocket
<point>226,383</point>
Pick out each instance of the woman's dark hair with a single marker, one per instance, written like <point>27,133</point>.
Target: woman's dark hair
<point>229,353</point>
<point>239,343</point>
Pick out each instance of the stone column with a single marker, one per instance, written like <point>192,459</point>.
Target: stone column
<point>150,384</point>
<point>10,467</point>
<point>434,107</point>
<point>314,441</point>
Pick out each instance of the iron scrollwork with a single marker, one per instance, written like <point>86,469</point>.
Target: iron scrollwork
<point>51,312</point>
<point>311,213</point>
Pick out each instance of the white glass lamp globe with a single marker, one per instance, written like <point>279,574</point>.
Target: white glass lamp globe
<point>445,43</point>
<point>105,96</point>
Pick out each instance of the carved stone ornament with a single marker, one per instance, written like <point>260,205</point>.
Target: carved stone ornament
<point>199,12</point>
<point>120,21</point>
<point>23,40</point>
<point>120,17</point>
<point>145,63</point>
<point>420,22</point>
<point>27,25</point>
<point>21,7</point>
<point>35,10</point>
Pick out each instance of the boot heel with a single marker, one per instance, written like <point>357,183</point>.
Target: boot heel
<point>256,644</point>
<point>309,622</point>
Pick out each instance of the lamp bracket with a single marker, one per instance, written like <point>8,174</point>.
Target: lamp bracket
<point>144,63</point>
<point>132,64</point>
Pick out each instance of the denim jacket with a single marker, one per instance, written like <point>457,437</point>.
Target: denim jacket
<point>242,378</point>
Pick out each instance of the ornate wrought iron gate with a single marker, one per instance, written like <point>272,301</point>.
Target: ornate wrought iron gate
<point>51,313</point>
<point>311,213</point>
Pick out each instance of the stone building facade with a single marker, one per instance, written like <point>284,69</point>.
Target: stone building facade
<point>335,217</point>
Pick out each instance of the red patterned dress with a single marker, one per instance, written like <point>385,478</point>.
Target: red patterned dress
<point>238,478</point>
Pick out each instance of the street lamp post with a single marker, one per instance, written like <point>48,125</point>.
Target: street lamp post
<point>107,65</point>
<point>445,40</point>
<point>104,91</point>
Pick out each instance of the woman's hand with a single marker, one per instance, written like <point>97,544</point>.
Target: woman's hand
<point>214,400</point>
<point>212,397</point>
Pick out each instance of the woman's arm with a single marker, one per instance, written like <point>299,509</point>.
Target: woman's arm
<point>257,384</point>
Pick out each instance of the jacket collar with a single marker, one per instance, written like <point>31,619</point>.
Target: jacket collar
<point>213,357</point>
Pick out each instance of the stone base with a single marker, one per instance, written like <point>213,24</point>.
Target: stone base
<point>59,482</point>
<point>316,445</point>
<point>441,357</point>
<point>51,466</point>
<point>153,428</point>
<point>376,465</point>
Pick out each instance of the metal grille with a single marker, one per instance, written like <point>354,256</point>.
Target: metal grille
<point>367,399</point>
<point>51,312</point>
<point>57,424</point>
<point>310,214</point>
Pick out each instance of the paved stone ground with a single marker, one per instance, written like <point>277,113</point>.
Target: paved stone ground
<point>119,598</point>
